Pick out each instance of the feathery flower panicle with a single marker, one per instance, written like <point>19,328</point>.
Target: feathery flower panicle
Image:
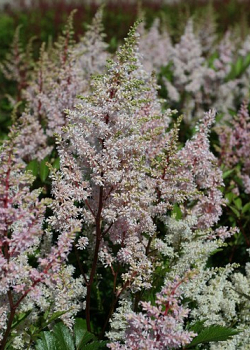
<point>31,141</point>
<point>91,53</point>
<point>18,64</point>
<point>21,217</point>
<point>53,86</point>
<point>102,150</point>
<point>159,326</point>
<point>219,91</point>
<point>189,73</point>
<point>203,166</point>
<point>111,138</point>
<point>235,144</point>
<point>62,73</point>
<point>155,47</point>
<point>22,285</point>
<point>206,27</point>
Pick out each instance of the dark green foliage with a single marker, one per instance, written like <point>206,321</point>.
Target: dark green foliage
<point>61,338</point>
<point>209,334</point>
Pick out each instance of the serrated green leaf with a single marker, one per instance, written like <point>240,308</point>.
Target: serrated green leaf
<point>46,342</point>
<point>64,340</point>
<point>213,333</point>
<point>44,170</point>
<point>33,167</point>
<point>87,337</point>
<point>197,327</point>
<point>246,208</point>
<point>80,329</point>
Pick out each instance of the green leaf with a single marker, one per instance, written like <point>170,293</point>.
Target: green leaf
<point>56,163</point>
<point>238,203</point>
<point>22,316</point>
<point>213,333</point>
<point>197,327</point>
<point>236,212</point>
<point>227,173</point>
<point>230,196</point>
<point>247,61</point>
<point>239,66</point>
<point>212,58</point>
<point>47,342</point>
<point>87,337</point>
<point>80,331</point>
<point>44,170</point>
<point>246,208</point>
<point>33,167</point>
<point>55,316</point>
<point>177,212</point>
<point>64,340</point>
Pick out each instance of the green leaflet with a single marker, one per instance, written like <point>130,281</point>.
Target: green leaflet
<point>64,339</point>
<point>44,170</point>
<point>209,334</point>
<point>60,338</point>
<point>47,342</point>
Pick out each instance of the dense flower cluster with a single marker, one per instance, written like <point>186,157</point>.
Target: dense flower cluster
<point>25,285</point>
<point>235,145</point>
<point>133,209</point>
<point>160,326</point>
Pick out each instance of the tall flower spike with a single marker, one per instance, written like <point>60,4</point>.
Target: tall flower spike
<point>21,217</point>
<point>155,47</point>
<point>159,326</point>
<point>25,286</point>
<point>18,64</point>
<point>102,155</point>
<point>55,83</point>
<point>235,144</point>
<point>189,71</point>
<point>91,52</point>
<point>203,167</point>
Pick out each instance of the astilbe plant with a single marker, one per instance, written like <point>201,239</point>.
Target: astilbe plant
<point>187,240</point>
<point>32,277</point>
<point>61,73</point>
<point>234,148</point>
<point>195,79</point>
<point>103,169</point>
<point>235,145</point>
<point>129,203</point>
<point>91,53</point>
<point>206,174</point>
<point>21,231</point>
<point>120,174</point>
<point>155,46</point>
<point>189,72</point>
<point>159,326</point>
<point>18,65</point>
